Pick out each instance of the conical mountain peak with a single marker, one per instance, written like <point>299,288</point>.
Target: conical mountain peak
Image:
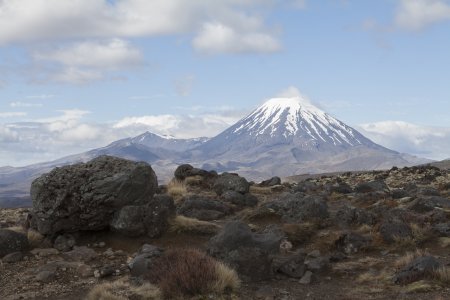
<point>288,117</point>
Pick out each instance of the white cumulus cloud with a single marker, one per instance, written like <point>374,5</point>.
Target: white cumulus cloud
<point>27,21</point>
<point>12,114</point>
<point>88,61</point>
<point>418,14</point>
<point>425,141</point>
<point>221,38</point>
<point>24,104</point>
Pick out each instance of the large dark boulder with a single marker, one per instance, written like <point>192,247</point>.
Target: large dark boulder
<point>186,170</point>
<point>240,200</point>
<point>158,213</point>
<point>297,208</point>
<point>150,219</point>
<point>85,196</point>
<point>372,186</point>
<point>12,241</point>
<point>204,208</point>
<point>231,182</point>
<point>250,254</point>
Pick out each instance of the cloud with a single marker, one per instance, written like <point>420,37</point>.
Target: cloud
<point>418,14</point>
<point>70,132</point>
<point>55,20</point>
<point>425,141</point>
<point>7,135</point>
<point>88,61</point>
<point>216,37</point>
<point>182,126</point>
<point>12,114</point>
<point>42,96</point>
<point>24,104</point>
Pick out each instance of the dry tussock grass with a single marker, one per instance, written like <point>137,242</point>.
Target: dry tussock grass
<point>421,234</point>
<point>325,240</point>
<point>123,290</point>
<point>442,275</point>
<point>34,238</point>
<point>177,189</point>
<point>409,257</point>
<point>189,272</point>
<point>182,224</point>
<point>444,242</point>
<point>380,277</point>
<point>194,180</point>
<point>299,233</point>
<point>227,279</point>
<point>262,190</point>
<point>18,229</point>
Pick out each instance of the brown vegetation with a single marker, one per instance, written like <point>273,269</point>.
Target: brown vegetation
<point>123,290</point>
<point>188,272</point>
<point>182,224</point>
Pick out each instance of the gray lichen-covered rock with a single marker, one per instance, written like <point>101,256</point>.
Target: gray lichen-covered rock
<point>140,265</point>
<point>64,242</point>
<point>85,196</point>
<point>417,269</point>
<point>250,254</point>
<point>271,182</point>
<point>349,215</point>
<point>392,230</point>
<point>240,200</point>
<point>231,182</point>
<point>298,208</point>
<point>204,208</point>
<point>186,170</point>
<point>150,219</point>
<point>11,241</point>
<point>372,186</point>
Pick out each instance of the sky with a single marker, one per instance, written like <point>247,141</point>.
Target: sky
<point>78,74</point>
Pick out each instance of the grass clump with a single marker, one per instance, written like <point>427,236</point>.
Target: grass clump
<point>123,290</point>
<point>177,189</point>
<point>196,180</point>
<point>182,224</point>
<point>409,257</point>
<point>444,242</point>
<point>442,275</point>
<point>186,272</point>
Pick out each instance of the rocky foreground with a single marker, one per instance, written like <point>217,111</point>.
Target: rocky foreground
<point>106,230</point>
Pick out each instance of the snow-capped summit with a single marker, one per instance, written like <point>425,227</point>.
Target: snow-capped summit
<point>289,135</point>
<point>296,116</point>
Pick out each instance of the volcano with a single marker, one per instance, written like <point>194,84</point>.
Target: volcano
<point>287,136</point>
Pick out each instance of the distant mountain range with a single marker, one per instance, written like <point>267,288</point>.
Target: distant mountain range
<point>283,137</point>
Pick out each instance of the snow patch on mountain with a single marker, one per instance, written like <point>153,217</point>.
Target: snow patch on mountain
<point>296,116</point>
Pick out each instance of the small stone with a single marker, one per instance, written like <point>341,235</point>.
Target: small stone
<point>84,271</point>
<point>97,273</point>
<point>44,252</point>
<point>45,276</point>
<point>13,257</point>
<point>314,253</point>
<point>101,244</point>
<point>64,242</point>
<point>306,279</point>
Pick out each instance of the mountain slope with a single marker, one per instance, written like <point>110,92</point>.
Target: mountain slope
<point>287,136</point>
<point>283,137</point>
